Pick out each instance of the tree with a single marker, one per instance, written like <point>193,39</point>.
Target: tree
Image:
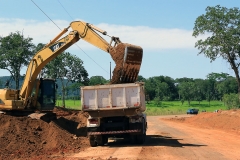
<point>217,76</point>
<point>141,78</point>
<point>1,84</point>
<point>222,26</point>
<point>227,86</point>
<point>187,91</point>
<point>96,80</point>
<point>67,68</point>
<point>15,53</point>
<point>213,80</point>
<point>150,87</point>
<point>199,90</point>
<point>161,90</point>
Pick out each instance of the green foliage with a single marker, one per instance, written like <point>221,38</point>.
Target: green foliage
<point>187,91</point>
<point>157,101</point>
<point>176,107</point>
<point>97,80</point>
<point>201,89</point>
<point>141,78</point>
<point>167,107</point>
<point>67,68</point>
<point>217,76</point>
<point>160,86</point>
<point>161,90</point>
<point>231,101</point>
<point>182,101</point>
<point>221,26</point>
<point>229,85</point>
<point>70,104</point>
<point>15,53</point>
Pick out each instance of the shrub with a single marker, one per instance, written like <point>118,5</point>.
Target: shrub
<point>231,101</point>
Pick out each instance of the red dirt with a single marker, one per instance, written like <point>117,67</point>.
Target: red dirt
<point>23,137</point>
<point>228,121</point>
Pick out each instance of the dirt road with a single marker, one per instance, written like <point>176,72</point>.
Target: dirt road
<point>170,140</point>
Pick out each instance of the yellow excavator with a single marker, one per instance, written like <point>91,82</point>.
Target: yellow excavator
<point>38,94</point>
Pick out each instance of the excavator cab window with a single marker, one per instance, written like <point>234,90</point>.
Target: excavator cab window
<point>47,94</point>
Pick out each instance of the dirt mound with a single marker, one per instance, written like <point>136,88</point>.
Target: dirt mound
<point>23,137</point>
<point>228,121</point>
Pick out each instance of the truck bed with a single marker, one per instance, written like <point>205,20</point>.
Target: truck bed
<point>113,99</point>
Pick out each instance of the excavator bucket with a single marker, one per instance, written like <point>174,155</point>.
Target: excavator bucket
<point>128,59</point>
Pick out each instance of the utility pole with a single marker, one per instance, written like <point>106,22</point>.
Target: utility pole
<point>110,72</point>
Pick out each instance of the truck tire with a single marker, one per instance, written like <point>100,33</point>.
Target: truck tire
<point>92,141</point>
<point>140,138</point>
<point>101,140</point>
<point>105,139</point>
<point>133,139</point>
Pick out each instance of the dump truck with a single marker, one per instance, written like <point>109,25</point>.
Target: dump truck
<point>115,110</point>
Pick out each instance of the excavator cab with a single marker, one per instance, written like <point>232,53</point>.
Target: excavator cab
<point>46,94</point>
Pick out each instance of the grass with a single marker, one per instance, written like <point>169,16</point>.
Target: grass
<point>176,107</point>
<point>165,107</point>
<point>70,104</point>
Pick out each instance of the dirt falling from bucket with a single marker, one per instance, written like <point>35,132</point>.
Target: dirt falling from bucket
<point>125,73</point>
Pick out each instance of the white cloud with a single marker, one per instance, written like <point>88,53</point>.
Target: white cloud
<point>41,32</point>
<point>152,38</point>
<point>144,36</point>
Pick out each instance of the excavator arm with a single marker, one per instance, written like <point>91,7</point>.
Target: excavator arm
<point>80,30</point>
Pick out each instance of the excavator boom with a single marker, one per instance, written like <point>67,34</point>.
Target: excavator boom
<point>128,59</point>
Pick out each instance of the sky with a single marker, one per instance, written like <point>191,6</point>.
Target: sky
<point>163,28</point>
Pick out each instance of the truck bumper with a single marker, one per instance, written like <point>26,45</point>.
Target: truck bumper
<point>114,132</point>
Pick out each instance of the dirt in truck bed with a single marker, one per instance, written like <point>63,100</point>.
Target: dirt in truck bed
<point>23,137</point>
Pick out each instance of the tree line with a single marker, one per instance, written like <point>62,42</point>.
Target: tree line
<point>163,88</point>
<point>214,87</point>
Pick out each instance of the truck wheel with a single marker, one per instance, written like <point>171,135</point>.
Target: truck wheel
<point>141,138</point>
<point>105,139</point>
<point>133,139</point>
<point>100,140</point>
<point>92,141</point>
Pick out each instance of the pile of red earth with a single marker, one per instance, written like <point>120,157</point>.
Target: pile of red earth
<point>228,120</point>
<point>23,137</point>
